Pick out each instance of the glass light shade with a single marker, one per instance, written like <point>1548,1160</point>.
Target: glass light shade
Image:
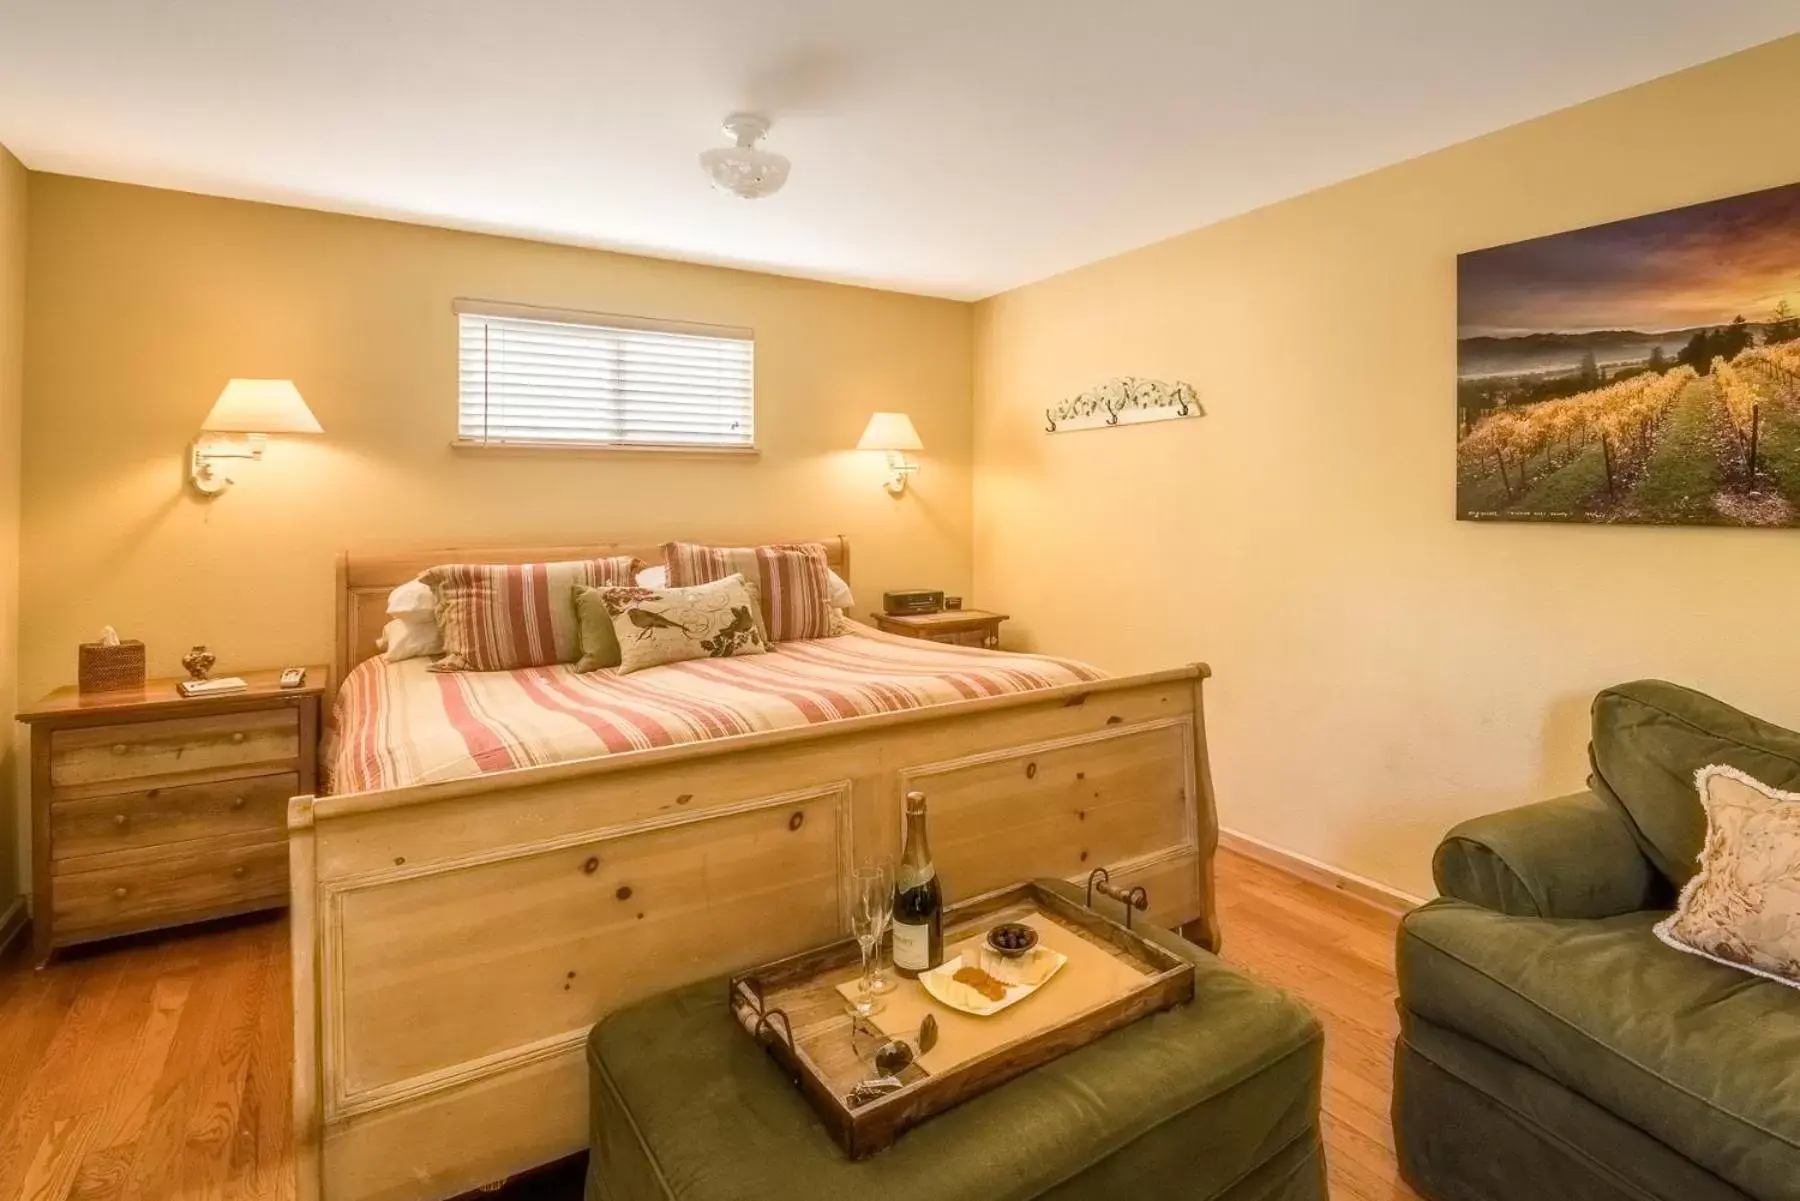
<point>260,406</point>
<point>889,431</point>
<point>745,169</point>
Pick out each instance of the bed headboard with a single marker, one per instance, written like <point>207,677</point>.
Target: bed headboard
<point>364,580</point>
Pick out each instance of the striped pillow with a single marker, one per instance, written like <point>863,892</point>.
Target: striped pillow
<point>497,617</point>
<point>790,581</point>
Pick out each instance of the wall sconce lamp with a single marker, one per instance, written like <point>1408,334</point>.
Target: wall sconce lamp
<point>894,433</point>
<point>246,413</point>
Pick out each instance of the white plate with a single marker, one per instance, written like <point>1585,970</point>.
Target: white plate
<point>940,984</point>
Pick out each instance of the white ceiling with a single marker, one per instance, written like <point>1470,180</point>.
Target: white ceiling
<point>950,147</point>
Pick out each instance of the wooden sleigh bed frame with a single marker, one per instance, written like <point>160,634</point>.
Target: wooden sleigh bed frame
<point>453,942</point>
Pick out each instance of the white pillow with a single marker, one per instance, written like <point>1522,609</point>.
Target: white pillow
<point>413,599</point>
<point>841,596</point>
<point>658,577</point>
<point>410,638</point>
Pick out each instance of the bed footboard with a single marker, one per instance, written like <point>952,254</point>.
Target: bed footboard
<point>453,943</point>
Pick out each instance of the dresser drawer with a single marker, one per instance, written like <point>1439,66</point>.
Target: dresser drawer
<point>156,816</point>
<point>102,754</point>
<point>206,876</point>
<point>978,638</point>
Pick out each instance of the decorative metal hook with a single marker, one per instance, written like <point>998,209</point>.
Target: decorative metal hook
<point>1104,406</point>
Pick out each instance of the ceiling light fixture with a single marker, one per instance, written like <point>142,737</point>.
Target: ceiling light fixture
<point>744,169</point>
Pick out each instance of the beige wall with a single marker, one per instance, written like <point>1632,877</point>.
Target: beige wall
<point>143,302</point>
<point>12,356</point>
<point>1382,670</point>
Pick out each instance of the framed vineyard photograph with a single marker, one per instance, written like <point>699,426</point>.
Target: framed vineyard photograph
<point>1646,371</point>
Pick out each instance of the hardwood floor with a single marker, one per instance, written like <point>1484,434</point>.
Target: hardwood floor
<point>1336,954</point>
<point>155,1070</point>
<point>158,1070</point>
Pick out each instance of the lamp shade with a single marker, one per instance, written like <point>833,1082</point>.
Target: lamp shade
<point>889,431</point>
<point>260,406</point>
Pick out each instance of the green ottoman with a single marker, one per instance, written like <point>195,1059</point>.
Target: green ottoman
<point>1216,1100</point>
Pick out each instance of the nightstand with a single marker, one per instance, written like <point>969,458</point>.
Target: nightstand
<point>960,627</point>
<point>149,809</point>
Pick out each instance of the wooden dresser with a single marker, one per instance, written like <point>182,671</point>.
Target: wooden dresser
<point>152,810</point>
<point>959,627</point>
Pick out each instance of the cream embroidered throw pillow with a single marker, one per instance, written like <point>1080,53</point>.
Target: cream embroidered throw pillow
<point>671,625</point>
<point>1743,909</point>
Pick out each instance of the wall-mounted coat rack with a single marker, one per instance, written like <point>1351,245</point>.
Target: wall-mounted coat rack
<point>1124,401</point>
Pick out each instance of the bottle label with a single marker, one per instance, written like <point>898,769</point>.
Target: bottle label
<point>912,947</point>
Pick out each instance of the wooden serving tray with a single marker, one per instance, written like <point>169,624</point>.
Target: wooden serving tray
<point>795,1009</point>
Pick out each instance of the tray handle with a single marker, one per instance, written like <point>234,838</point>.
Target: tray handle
<point>764,1024</point>
<point>1100,881</point>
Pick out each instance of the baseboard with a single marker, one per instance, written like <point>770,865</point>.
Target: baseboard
<point>1307,868</point>
<point>12,923</point>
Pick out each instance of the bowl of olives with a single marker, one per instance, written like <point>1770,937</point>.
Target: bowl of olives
<point>1012,939</point>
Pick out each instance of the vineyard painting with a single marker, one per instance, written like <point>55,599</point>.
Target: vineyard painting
<point>1643,371</point>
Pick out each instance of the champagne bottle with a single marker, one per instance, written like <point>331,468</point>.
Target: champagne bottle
<point>918,901</point>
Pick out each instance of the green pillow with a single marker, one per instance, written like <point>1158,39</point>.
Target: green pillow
<point>594,634</point>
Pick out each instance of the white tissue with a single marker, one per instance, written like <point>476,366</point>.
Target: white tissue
<point>109,636</point>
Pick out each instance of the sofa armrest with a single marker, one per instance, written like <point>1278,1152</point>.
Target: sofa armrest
<point>1570,857</point>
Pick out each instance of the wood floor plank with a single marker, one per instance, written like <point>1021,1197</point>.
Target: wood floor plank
<point>213,1129</point>
<point>52,1170</point>
<point>159,1068</point>
<point>54,1080</point>
<point>34,1008</point>
<point>1336,954</point>
<point>114,1149</point>
<point>164,1163</point>
<point>262,1163</point>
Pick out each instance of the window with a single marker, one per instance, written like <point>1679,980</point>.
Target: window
<point>537,377</point>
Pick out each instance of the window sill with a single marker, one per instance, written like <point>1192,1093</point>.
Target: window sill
<point>601,450</point>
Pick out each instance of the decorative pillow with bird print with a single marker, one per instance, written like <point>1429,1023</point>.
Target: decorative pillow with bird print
<point>672,625</point>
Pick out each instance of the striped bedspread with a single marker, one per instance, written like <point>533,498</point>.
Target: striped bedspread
<point>397,723</point>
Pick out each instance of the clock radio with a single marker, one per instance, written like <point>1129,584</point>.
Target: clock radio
<point>912,600</point>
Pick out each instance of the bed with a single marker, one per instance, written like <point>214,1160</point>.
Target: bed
<point>505,857</point>
<point>400,724</point>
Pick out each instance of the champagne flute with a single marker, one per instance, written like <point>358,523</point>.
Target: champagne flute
<point>871,906</point>
<point>881,982</point>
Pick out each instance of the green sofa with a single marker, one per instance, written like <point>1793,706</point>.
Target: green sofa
<point>1550,1046</point>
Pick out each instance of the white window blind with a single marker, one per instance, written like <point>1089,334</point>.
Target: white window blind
<point>569,379</point>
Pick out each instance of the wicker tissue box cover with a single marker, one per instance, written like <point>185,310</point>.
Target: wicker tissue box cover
<point>103,667</point>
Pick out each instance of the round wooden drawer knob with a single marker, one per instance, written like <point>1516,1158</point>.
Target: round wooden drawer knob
<point>238,871</point>
<point>121,821</point>
<point>119,893</point>
<point>237,802</point>
<point>237,736</point>
<point>120,748</point>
